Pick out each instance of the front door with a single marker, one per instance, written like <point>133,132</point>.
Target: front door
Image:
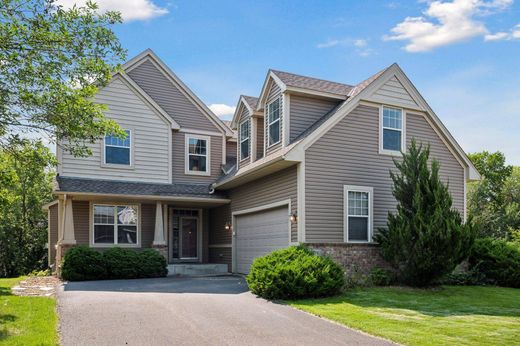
<point>184,236</point>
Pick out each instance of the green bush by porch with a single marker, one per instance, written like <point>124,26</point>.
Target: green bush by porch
<point>83,263</point>
<point>294,272</point>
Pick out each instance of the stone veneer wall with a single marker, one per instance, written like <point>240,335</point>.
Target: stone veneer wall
<point>353,257</point>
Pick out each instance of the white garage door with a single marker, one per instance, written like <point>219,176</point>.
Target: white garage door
<point>258,234</point>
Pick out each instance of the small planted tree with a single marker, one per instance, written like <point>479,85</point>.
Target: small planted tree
<point>426,238</point>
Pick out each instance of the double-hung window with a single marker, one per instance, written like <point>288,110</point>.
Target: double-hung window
<point>273,122</point>
<point>358,214</point>
<point>244,139</point>
<point>117,150</point>
<point>197,155</point>
<point>392,136</point>
<point>115,224</point>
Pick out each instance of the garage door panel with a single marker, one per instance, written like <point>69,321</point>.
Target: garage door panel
<point>258,234</point>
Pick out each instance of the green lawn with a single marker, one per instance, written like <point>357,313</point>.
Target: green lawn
<point>26,320</point>
<point>451,315</point>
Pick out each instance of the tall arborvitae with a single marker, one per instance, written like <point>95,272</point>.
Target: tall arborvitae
<point>426,238</point>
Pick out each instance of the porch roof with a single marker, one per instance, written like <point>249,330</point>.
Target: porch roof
<point>87,186</point>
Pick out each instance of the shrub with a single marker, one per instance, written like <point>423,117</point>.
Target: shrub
<point>121,263</point>
<point>498,260</point>
<point>470,277</point>
<point>82,263</point>
<point>425,239</point>
<point>152,264</point>
<point>381,277</point>
<point>294,272</point>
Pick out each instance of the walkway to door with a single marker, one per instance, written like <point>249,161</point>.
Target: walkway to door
<point>188,311</point>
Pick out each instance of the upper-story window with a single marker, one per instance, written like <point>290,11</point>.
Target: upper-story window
<point>117,150</point>
<point>392,134</point>
<point>244,139</point>
<point>273,122</point>
<point>197,155</point>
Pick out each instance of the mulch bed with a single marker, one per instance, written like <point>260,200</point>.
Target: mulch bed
<point>38,286</point>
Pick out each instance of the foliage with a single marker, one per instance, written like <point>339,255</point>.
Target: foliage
<point>45,272</point>
<point>494,201</point>
<point>26,320</point>
<point>498,260</point>
<point>449,315</point>
<point>294,272</point>
<point>426,238</point>
<point>470,277</point>
<point>52,63</point>
<point>381,277</point>
<point>25,185</point>
<point>83,263</point>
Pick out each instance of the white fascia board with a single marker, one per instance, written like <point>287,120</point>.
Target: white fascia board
<point>263,94</point>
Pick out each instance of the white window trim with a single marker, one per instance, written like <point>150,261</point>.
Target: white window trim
<point>248,138</point>
<point>187,171</point>
<point>269,124</point>
<point>403,132</point>
<point>91,226</point>
<point>118,165</point>
<point>370,191</point>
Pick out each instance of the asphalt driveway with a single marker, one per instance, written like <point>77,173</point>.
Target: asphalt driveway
<point>188,311</point>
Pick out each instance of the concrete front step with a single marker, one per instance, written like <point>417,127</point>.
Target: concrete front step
<point>196,269</point>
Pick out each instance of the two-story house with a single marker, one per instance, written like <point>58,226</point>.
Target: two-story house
<point>307,161</point>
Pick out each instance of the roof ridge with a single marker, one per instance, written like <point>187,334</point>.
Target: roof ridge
<point>305,76</point>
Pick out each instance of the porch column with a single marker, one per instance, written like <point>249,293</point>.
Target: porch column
<point>68,224</point>
<point>159,238</point>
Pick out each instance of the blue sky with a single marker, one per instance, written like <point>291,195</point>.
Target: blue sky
<point>462,55</point>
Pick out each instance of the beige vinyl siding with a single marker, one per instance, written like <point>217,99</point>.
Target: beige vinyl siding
<point>218,235</point>
<point>259,138</point>
<point>244,116</point>
<point>274,92</point>
<point>179,160</point>
<point>147,224</point>
<point>348,154</point>
<point>393,91</point>
<point>305,111</point>
<point>273,188</point>
<point>170,97</point>
<point>81,215</point>
<point>53,233</point>
<point>149,137</point>
<point>231,149</point>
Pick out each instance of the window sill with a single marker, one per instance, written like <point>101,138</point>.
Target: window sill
<point>104,246</point>
<point>197,173</point>
<point>117,166</point>
<point>274,144</point>
<point>390,153</point>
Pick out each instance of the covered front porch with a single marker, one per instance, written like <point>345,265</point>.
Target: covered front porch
<point>187,230</point>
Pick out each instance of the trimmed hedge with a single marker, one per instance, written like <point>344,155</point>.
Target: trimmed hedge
<point>83,263</point>
<point>294,272</point>
<point>498,260</point>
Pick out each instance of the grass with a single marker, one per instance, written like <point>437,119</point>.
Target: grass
<point>450,315</point>
<point>26,320</point>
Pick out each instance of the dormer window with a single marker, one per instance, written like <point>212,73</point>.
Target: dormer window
<point>117,150</point>
<point>273,122</point>
<point>244,139</point>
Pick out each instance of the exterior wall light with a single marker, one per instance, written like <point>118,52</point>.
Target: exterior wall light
<point>293,218</point>
<point>227,226</point>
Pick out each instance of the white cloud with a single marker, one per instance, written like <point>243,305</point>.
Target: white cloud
<point>222,110</point>
<point>130,9</point>
<point>514,34</point>
<point>445,23</point>
<point>360,45</point>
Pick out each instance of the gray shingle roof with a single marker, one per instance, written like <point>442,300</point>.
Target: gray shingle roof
<point>251,101</point>
<point>311,83</point>
<point>72,184</point>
